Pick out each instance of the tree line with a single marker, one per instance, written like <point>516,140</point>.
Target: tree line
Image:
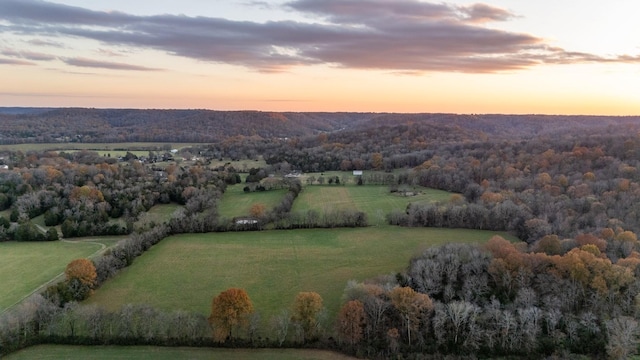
<point>501,299</point>
<point>496,299</point>
<point>572,196</point>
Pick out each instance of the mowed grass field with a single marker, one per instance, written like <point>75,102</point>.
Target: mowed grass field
<point>158,214</point>
<point>26,265</point>
<point>235,202</point>
<point>240,165</point>
<point>374,200</point>
<point>187,271</point>
<point>56,352</point>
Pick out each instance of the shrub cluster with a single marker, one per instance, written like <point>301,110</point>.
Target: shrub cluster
<point>499,300</point>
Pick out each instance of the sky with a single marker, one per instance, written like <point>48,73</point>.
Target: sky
<point>499,56</point>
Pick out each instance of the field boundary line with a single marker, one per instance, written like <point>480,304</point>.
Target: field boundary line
<point>56,278</point>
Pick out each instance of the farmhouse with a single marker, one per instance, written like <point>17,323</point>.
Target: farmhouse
<point>245,221</point>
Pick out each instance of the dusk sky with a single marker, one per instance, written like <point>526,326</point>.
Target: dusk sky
<point>498,56</point>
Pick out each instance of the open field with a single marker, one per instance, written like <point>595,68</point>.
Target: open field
<point>343,175</point>
<point>186,271</point>
<point>28,265</point>
<point>323,198</point>
<point>39,220</point>
<point>375,200</point>
<point>240,165</point>
<point>153,352</point>
<point>123,153</point>
<point>235,202</point>
<point>94,146</point>
<point>346,177</point>
<point>157,214</point>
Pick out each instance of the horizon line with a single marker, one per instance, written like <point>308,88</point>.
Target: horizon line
<point>310,111</point>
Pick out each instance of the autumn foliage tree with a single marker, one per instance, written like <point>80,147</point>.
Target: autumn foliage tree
<point>257,210</point>
<point>414,307</point>
<point>351,321</point>
<point>306,308</point>
<point>377,161</point>
<point>86,193</point>
<point>82,270</point>
<point>229,310</point>
<point>81,278</point>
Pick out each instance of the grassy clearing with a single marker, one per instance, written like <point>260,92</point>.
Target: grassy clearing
<point>240,165</point>
<point>103,241</point>
<point>162,212</point>
<point>94,146</point>
<point>159,353</point>
<point>235,202</point>
<point>324,198</point>
<point>39,220</point>
<point>27,265</point>
<point>376,201</point>
<point>157,214</point>
<point>347,176</point>
<point>123,153</point>
<point>186,271</point>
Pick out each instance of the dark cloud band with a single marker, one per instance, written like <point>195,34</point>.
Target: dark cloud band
<point>82,62</point>
<point>397,35</point>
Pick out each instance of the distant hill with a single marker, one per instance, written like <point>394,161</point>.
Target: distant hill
<point>23,110</point>
<point>47,125</point>
<point>120,125</point>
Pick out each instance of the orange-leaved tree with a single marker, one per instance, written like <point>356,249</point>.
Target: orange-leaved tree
<point>414,307</point>
<point>229,310</point>
<point>351,321</point>
<point>258,210</point>
<point>306,309</point>
<point>86,193</point>
<point>83,270</point>
<point>81,278</point>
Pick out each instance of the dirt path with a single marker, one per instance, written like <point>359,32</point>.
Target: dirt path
<point>86,241</point>
<point>60,276</point>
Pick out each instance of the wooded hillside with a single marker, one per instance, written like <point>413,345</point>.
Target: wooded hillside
<point>33,125</point>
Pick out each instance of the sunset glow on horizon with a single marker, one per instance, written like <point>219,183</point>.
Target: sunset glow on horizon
<point>573,57</point>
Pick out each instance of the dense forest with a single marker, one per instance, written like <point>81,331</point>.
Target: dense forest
<point>568,187</point>
<point>127,125</point>
<point>45,125</point>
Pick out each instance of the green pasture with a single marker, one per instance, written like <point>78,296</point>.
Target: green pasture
<point>130,146</point>
<point>160,353</point>
<point>346,177</point>
<point>235,202</point>
<point>123,153</point>
<point>324,198</point>
<point>187,271</point>
<point>374,200</point>
<point>39,220</point>
<point>28,265</point>
<point>343,175</point>
<point>158,214</point>
<point>240,165</point>
<point>162,212</point>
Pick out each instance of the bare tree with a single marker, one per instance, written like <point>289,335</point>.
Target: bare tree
<point>622,333</point>
<point>280,325</point>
